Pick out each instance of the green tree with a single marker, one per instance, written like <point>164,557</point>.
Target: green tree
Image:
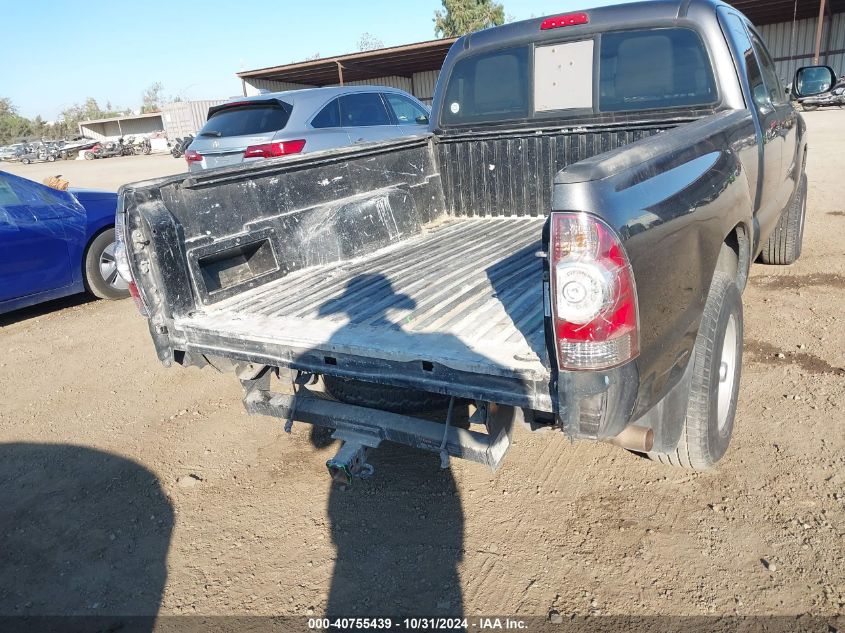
<point>13,126</point>
<point>465,16</point>
<point>369,42</point>
<point>69,118</point>
<point>152,98</point>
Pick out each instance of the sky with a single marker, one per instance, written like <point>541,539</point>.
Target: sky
<point>59,52</point>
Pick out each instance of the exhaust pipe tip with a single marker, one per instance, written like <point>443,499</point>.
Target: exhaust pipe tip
<point>634,438</point>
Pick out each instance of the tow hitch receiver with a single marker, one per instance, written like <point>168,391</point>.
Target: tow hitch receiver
<point>351,459</point>
<point>361,428</point>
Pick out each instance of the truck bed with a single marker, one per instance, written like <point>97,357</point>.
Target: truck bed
<point>465,293</point>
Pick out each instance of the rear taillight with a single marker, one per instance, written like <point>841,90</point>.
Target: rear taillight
<point>121,257</point>
<point>594,300</point>
<point>139,301</point>
<point>567,19</point>
<point>192,156</point>
<point>272,150</point>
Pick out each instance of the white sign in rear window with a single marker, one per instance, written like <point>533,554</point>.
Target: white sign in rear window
<point>563,76</point>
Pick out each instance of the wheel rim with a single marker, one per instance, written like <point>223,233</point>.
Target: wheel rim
<point>727,372</point>
<point>108,269</point>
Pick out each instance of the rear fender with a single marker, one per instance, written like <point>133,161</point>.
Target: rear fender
<point>672,199</point>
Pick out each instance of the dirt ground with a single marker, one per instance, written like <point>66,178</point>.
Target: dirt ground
<point>105,173</point>
<point>130,488</point>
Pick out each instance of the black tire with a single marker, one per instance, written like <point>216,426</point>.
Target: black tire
<point>89,156</point>
<point>95,283</point>
<point>385,397</point>
<point>809,108</point>
<point>704,440</point>
<point>784,244</point>
<point>25,161</point>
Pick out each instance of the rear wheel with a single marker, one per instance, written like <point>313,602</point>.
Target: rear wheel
<point>89,156</point>
<point>25,161</point>
<point>717,365</point>
<point>784,244</point>
<point>101,278</point>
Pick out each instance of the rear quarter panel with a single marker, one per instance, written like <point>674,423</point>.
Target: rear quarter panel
<point>672,198</point>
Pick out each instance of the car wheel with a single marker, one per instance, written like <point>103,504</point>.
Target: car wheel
<point>89,156</point>
<point>51,159</point>
<point>717,365</point>
<point>101,278</point>
<point>784,244</point>
<point>25,161</point>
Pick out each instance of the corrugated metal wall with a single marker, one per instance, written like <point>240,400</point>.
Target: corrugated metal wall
<point>109,130</point>
<point>783,41</point>
<point>186,117</point>
<point>421,86</point>
<point>424,85</point>
<point>254,86</point>
<point>402,83</point>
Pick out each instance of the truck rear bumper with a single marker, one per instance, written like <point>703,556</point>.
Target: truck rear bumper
<point>369,427</point>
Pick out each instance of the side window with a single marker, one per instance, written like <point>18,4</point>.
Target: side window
<point>405,110</point>
<point>774,87</point>
<point>329,116</point>
<point>8,197</point>
<point>759,92</point>
<point>363,109</point>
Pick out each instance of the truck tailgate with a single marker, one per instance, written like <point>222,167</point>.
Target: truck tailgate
<point>465,295</point>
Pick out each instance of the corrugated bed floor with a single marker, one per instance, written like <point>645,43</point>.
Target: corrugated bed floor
<point>469,290</point>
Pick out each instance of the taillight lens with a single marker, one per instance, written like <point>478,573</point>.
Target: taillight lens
<point>594,299</point>
<point>192,156</point>
<point>272,150</point>
<point>567,19</point>
<point>136,297</point>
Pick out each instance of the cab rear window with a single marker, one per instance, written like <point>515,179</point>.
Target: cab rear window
<point>245,120</point>
<point>637,70</point>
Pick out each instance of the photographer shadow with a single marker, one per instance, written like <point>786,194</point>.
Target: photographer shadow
<point>399,535</point>
<point>82,533</point>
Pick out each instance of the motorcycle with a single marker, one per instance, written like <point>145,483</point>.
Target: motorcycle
<point>143,146</point>
<point>179,146</point>
<point>128,148</point>
<point>832,98</point>
<point>106,150</point>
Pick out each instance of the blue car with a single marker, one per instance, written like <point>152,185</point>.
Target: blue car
<point>55,243</point>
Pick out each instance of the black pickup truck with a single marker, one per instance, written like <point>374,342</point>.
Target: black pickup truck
<point>565,248</point>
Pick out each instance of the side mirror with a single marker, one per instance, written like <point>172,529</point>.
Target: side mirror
<point>813,80</point>
<point>422,119</point>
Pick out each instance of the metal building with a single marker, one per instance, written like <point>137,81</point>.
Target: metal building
<point>181,118</point>
<point>800,32</point>
<point>176,119</point>
<point>412,68</point>
<point>791,29</point>
<point>127,125</point>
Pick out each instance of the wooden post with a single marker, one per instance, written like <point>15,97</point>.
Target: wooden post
<point>819,29</point>
<point>339,72</point>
